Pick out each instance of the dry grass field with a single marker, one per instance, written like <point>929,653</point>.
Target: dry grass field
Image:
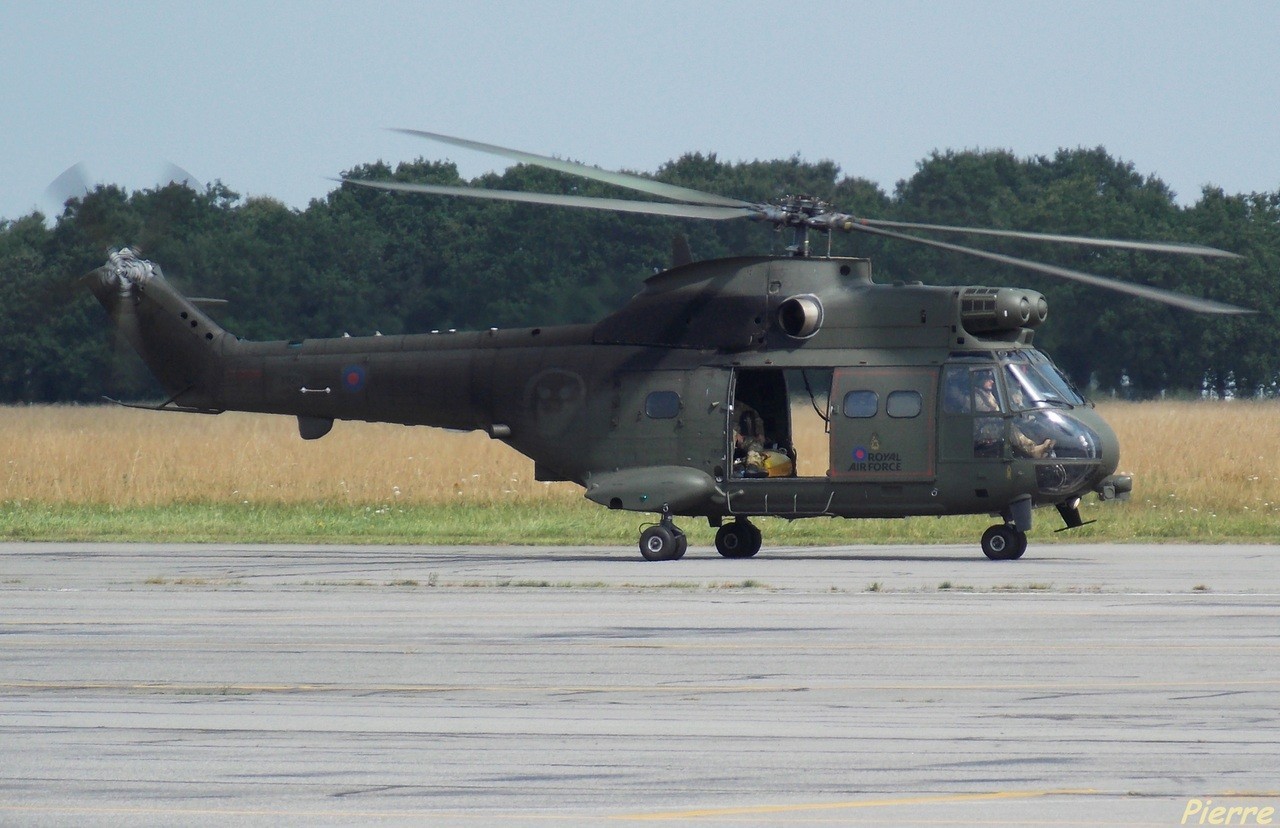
<point>126,457</point>
<point>1204,455</point>
<point>1192,462</point>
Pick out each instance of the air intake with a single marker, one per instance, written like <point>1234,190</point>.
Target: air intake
<point>987,310</point>
<point>800,317</point>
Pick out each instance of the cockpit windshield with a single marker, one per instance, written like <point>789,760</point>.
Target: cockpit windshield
<point>1035,382</point>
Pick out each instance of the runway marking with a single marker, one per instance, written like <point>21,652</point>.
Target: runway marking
<point>139,810</point>
<point>708,813</point>
<point>1002,648</point>
<point>761,810</point>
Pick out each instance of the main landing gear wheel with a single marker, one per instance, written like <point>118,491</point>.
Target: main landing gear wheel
<point>739,539</point>
<point>663,542</point>
<point>1003,542</point>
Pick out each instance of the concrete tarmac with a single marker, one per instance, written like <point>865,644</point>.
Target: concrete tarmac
<point>298,685</point>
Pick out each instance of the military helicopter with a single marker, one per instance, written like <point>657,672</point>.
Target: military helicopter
<point>681,403</point>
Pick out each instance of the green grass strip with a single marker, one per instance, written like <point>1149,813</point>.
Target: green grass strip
<point>575,524</point>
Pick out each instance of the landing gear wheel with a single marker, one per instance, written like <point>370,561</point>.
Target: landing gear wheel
<point>663,542</point>
<point>740,539</point>
<point>1003,542</point>
<point>1018,550</point>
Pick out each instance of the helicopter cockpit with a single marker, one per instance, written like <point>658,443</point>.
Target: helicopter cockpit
<point>1041,400</point>
<point>1046,420</point>
<point>1024,407</point>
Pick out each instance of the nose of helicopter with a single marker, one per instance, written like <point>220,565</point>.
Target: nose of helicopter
<point>1104,481</point>
<point>1108,444</point>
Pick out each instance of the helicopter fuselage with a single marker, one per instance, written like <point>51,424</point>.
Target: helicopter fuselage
<point>933,399</point>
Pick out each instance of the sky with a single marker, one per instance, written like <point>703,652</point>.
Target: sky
<point>273,99</point>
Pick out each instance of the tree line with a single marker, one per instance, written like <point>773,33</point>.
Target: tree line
<point>360,261</point>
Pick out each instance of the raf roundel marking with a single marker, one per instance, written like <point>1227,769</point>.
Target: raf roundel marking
<point>353,378</point>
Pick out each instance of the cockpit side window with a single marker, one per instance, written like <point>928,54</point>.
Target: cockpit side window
<point>957,391</point>
<point>986,395</point>
<point>970,390</point>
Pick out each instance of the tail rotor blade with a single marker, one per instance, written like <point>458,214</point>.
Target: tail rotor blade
<point>73,182</point>
<point>173,174</point>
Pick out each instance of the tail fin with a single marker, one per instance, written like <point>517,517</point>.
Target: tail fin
<point>181,346</point>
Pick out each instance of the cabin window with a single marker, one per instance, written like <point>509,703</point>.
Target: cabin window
<point>904,404</point>
<point>861,404</point>
<point>662,405</point>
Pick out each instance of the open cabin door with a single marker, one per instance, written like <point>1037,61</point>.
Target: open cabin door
<point>884,424</point>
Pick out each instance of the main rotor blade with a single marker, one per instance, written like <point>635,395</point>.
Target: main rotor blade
<point>657,208</point>
<point>1168,297</point>
<point>1158,247</point>
<point>630,182</point>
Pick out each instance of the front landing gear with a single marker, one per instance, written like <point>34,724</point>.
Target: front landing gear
<point>739,539</point>
<point>1004,542</point>
<point>663,541</point>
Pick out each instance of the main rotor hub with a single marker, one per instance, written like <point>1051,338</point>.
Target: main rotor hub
<point>804,205</point>
<point>801,213</point>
